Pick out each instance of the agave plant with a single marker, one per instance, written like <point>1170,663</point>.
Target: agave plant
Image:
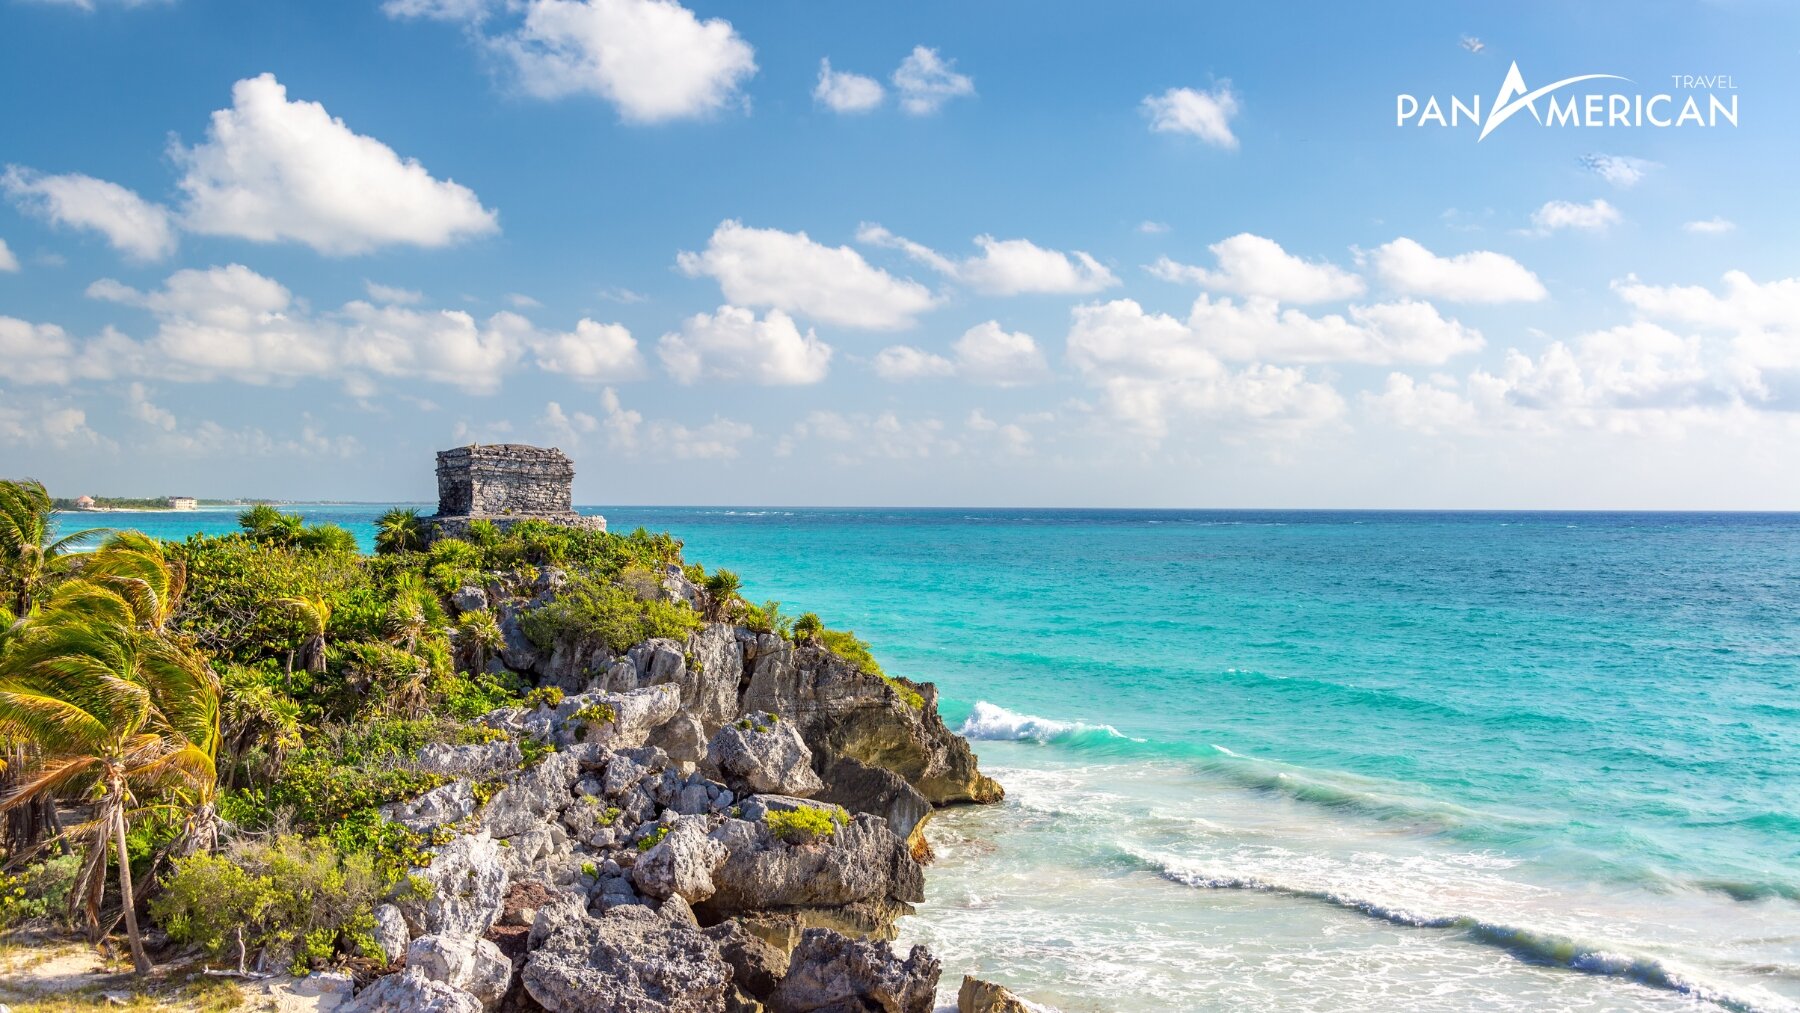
<point>120,716</point>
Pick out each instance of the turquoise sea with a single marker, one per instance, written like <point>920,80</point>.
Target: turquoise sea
<point>1330,761</point>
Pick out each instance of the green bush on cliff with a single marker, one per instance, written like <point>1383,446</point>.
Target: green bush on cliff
<point>593,606</point>
<point>297,901</point>
<point>802,825</point>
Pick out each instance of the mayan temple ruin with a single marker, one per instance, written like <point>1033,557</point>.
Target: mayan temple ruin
<point>505,483</point>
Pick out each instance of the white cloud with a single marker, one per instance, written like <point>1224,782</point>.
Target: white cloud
<point>654,60</point>
<point>273,170</point>
<point>566,428</point>
<point>438,10</point>
<point>1202,114</point>
<point>142,231</point>
<point>1714,226</point>
<point>1757,325</point>
<point>91,5</point>
<point>1152,369</point>
<point>46,354</point>
<point>26,424</point>
<point>904,362</point>
<point>1481,276</point>
<point>1152,228</point>
<point>1005,266</point>
<point>986,353</point>
<point>926,81</point>
<point>232,323</point>
<point>623,296</point>
<point>1619,170</point>
<point>8,263</point>
<point>592,351</point>
<point>844,92</point>
<point>621,423</point>
<point>390,294</point>
<point>1254,266</point>
<point>733,345</point>
<point>1595,216</point>
<point>859,436</point>
<point>521,301</point>
<point>1425,407</point>
<point>138,401</point>
<point>788,271</point>
<point>717,440</point>
<point>1383,333</point>
<point>1014,438</point>
<point>1473,44</point>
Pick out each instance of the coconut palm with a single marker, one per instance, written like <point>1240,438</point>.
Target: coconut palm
<point>32,557</point>
<point>272,527</point>
<point>314,614</point>
<point>399,530</point>
<point>121,716</point>
<point>326,538</point>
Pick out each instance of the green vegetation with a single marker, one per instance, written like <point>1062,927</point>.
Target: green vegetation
<point>653,838</point>
<point>209,729</point>
<point>805,824</point>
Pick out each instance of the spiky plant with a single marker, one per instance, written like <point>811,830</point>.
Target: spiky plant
<point>399,530</point>
<point>32,556</point>
<point>314,614</point>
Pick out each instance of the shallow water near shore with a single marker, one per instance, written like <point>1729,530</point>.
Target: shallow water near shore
<point>1324,760</point>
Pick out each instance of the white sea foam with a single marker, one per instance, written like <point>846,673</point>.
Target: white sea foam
<point>991,721</point>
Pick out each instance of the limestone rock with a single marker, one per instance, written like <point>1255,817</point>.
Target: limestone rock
<point>843,711</point>
<point>631,960</point>
<point>861,788</point>
<point>534,796</point>
<point>391,933</point>
<point>830,971</point>
<point>519,653</point>
<point>977,996</point>
<point>475,966</point>
<point>447,803</point>
<point>471,760</point>
<point>756,964</point>
<point>761,753</point>
<point>682,863</point>
<point>411,992</point>
<point>469,598</point>
<point>468,881</point>
<point>862,861</point>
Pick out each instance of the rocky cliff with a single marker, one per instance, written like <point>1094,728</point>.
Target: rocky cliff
<point>732,822</point>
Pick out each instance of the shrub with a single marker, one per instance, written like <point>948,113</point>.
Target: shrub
<point>808,627</point>
<point>766,618</point>
<point>548,696</point>
<point>671,619</point>
<point>653,838</point>
<point>803,825</point>
<point>36,891</point>
<point>592,606</point>
<point>297,901</point>
<point>597,714</point>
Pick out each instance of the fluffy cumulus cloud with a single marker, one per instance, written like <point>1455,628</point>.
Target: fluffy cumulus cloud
<point>848,438</point>
<point>1619,170</point>
<point>232,323</point>
<point>1558,215</point>
<point>593,351</point>
<point>1478,277</point>
<point>46,354</point>
<point>733,345</point>
<point>1383,333</point>
<point>788,271</point>
<point>272,169</point>
<point>1152,370</point>
<point>141,230</point>
<point>1252,265</point>
<point>1004,266</point>
<point>926,81</point>
<point>9,264</point>
<point>1203,114</point>
<point>392,294</point>
<point>986,353</point>
<point>654,60</point>
<point>844,92</point>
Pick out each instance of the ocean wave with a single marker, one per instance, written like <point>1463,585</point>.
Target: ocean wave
<point>1525,943</point>
<point>992,721</point>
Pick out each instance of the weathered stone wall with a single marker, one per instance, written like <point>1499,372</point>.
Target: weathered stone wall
<point>504,479</point>
<point>505,483</point>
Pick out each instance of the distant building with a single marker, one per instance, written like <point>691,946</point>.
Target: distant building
<point>183,503</point>
<point>505,483</point>
<point>84,502</point>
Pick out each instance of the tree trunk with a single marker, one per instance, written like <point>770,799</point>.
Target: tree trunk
<point>126,898</point>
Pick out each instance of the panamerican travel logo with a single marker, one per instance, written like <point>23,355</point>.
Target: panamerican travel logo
<point>1593,107</point>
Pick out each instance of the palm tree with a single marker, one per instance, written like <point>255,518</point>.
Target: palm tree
<point>121,716</point>
<point>399,530</point>
<point>314,614</point>
<point>326,538</point>
<point>270,526</point>
<point>257,519</point>
<point>478,638</point>
<point>721,592</point>
<point>31,556</point>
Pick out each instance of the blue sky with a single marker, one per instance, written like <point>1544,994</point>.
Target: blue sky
<point>1006,253</point>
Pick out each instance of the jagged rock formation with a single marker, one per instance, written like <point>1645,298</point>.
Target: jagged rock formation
<point>662,858</point>
<point>504,483</point>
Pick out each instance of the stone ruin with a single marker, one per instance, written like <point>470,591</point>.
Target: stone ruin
<point>505,483</point>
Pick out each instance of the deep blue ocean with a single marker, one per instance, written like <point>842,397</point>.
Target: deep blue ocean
<point>1329,760</point>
